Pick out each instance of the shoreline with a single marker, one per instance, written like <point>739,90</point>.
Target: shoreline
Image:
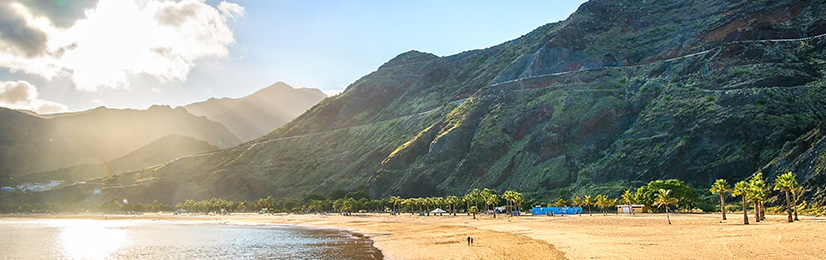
<point>562,237</point>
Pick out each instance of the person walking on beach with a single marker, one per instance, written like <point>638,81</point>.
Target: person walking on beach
<point>468,241</point>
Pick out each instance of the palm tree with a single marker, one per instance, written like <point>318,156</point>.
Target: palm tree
<point>518,199</point>
<point>664,199</point>
<point>509,197</point>
<point>758,187</point>
<point>721,187</point>
<point>628,198</point>
<point>452,201</point>
<point>797,193</point>
<point>742,189</point>
<point>491,198</point>
<point>786,183</point>
<point>396,200</point>
<point>560,202</point>
<point>588,201</point>
<point>601,201</point>
<point>577,202</point>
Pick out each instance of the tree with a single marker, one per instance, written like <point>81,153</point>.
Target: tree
<point>742,189</point>
<point>519,199</point>
<point>452,201</point>
<point>473,210</point>
<point>491,198</point>
<point>797,193</point>
<point>508,195</point>
<point>679,190</point>
<point>588,201</point>
<point>721,187</point>
<point>560,202</point>
<point>577,202</point>
<point>758,195</point>
<point>396,200</point>
<point>786,183</point>
<point>628,198</point>
<point>664,199</point>
<point>601,201</point>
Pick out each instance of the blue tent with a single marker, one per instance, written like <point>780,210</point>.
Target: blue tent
<point>556,210</point>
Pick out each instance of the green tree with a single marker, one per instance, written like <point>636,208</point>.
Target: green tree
<point>577,202</point>
<point>758,195</point>
<point>452,201</point>
<point>601,201</point>
<point>588,201</point>
<point>742,189</point>
<point>491,198</point>
<point>473,210</point>
<point>519,199</point>
<point>664,199</point>
<point>560,202</point>
<point>396,201</point>
<point>679,190</point>
<point>628,198</point>
<point>786,183</point>
<point>721,187</point>
<point>797,192</point>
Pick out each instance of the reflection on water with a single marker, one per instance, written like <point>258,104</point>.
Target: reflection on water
<point>89,239</point>
<point>123,239</point>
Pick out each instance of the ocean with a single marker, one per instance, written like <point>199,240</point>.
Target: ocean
<point>146,239</point>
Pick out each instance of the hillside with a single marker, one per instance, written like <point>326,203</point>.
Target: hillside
<point>163,150</point>
<point>253,116</point>
<point>32,144</point>
<point>618,94</point>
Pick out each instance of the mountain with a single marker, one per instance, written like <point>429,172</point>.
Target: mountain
<point>253,116</point>
<point>160,151</point>
<point>31,144</point>
<point>619,94</point>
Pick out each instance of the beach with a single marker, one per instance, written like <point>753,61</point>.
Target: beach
<point>691,236</point>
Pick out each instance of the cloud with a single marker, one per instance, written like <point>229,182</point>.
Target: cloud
<point>105,43</point>
<point>61,13</point>
<point>23,95</point>
<point>17,36</point>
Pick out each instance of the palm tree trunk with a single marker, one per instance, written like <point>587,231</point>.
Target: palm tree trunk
<point>666,215</point>
<point>795,213</point>
<point>762,211</point>
<point>789,207</point>
<point>745,211</point>
<point>723,205</point>
<point>756,211</point>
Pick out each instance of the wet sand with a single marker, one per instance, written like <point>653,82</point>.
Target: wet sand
<point>646,236</point>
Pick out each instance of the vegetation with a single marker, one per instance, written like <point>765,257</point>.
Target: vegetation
<point>742,189</point>
<point>664,199</point>
<point>721,187</point>
<point>787,183</point>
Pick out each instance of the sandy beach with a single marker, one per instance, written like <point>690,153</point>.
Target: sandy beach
<point>644,236</point>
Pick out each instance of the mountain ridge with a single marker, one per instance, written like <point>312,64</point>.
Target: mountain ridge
<point>554,113</point>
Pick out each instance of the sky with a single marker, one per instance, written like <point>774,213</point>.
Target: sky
<point>74,55</point>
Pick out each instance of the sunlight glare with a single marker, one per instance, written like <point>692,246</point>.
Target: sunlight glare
<point>90,239</point>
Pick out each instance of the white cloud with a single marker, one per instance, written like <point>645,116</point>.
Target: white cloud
<point>113,40</point>
<point>23,95</point>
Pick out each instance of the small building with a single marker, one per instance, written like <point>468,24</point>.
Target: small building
<point>632,209</point>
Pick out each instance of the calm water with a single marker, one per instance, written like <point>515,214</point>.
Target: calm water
<point>131,239</point>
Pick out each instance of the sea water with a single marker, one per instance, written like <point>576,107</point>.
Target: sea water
<point>146,239</point>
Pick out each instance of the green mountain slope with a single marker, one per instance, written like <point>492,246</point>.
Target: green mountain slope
<point>620,93</point>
